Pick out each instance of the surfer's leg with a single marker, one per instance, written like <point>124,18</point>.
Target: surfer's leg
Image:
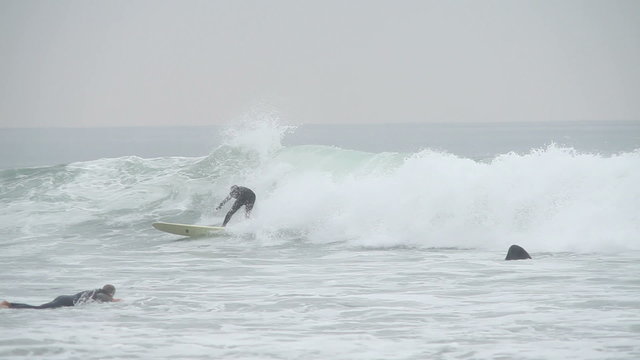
<point>5,304</point>
<point>228,217</point>
<point>234,208</point>
<point>60,301</point>
<point>247,209</point>
<point>18,305</point>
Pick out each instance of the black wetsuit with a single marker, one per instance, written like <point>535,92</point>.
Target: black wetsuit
<point>244,197</point>
<point>98,295</point>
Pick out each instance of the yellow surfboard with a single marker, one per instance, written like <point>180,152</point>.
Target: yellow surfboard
<point>189,230</point>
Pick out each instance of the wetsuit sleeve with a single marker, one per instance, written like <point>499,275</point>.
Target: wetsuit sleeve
<point>102,297</point>
<point>224,202</point>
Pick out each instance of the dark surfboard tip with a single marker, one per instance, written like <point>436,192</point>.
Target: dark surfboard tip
<point>516,252</point>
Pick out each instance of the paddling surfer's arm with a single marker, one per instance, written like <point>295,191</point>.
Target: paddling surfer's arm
<point>101,297</point>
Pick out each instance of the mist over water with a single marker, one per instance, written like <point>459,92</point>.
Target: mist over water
<point>349,253</point>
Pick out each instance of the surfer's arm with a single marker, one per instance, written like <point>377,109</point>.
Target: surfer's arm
<point>223,202</point>
<point>106,298</point>
<point>100,297</point>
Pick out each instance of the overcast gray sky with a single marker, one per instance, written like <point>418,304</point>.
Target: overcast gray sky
<point>116,63</point>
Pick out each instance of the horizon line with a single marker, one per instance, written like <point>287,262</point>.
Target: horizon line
<point>454,123</point>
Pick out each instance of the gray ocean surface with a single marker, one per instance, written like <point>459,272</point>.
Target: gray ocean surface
<point>366,242</point>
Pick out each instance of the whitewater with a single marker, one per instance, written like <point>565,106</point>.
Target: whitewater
<point>350,253</point>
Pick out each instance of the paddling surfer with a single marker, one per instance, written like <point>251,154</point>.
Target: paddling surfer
<point>244,197</point>
<point>105,294</point>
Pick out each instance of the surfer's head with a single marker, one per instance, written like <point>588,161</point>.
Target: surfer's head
<point>109,289</point>
<point>234,190</point>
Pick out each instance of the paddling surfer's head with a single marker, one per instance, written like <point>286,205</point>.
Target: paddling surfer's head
<point>109,289</point>
<point>234,190</point>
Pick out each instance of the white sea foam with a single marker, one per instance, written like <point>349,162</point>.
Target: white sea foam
<point>551,199</point>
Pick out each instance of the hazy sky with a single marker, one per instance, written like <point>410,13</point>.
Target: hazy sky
<point>117,63</point>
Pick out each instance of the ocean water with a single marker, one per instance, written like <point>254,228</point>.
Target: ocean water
<point>366,242</point>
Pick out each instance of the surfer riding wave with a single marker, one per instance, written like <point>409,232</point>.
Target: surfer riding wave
<point>244,197</point>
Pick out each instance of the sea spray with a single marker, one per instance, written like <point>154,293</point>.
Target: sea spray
<point>261,134</point>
